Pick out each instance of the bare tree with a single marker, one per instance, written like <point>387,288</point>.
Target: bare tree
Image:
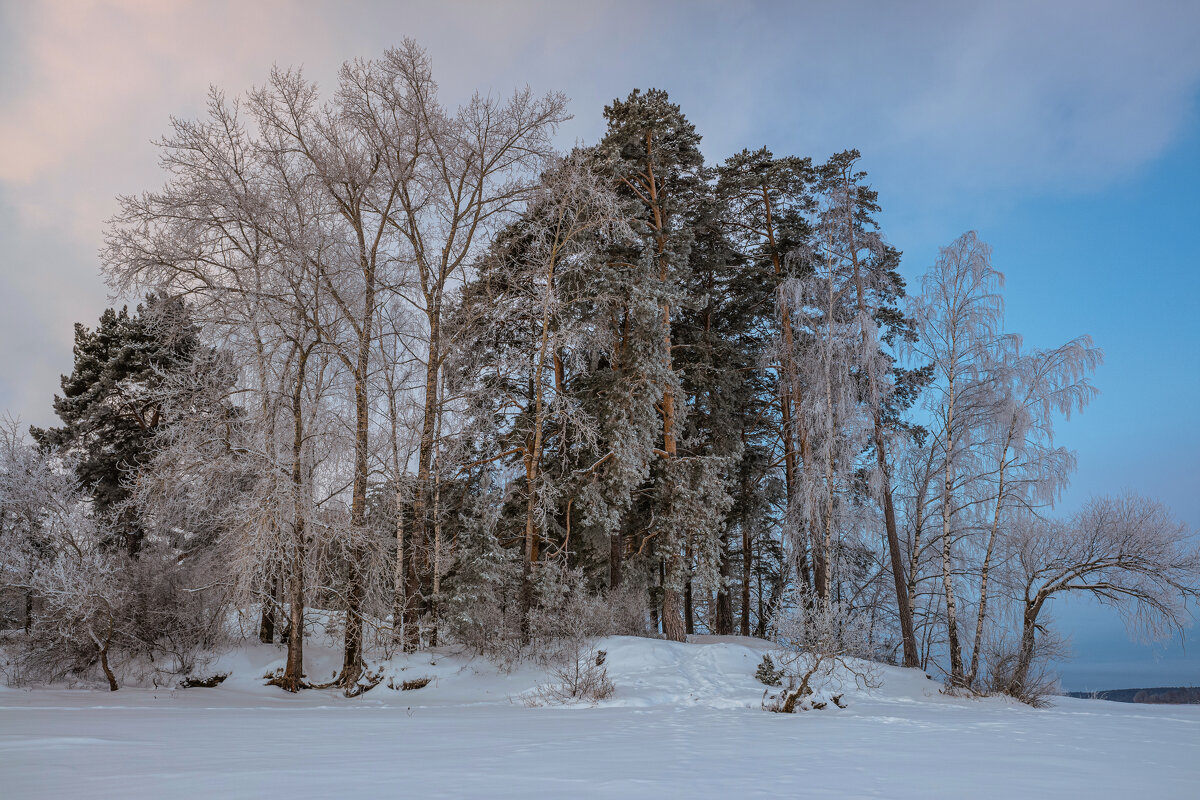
<point>958,317</point>
<point>238,233</point>
<point>457,175</point>
<point>1127,552</point>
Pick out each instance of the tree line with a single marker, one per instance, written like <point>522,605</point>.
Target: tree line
<point>412,365</point>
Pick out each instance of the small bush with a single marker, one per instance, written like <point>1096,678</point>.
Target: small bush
<point>767,673</point>
<point>584,679</point>
<point>1041,683</point>
<point>563,634</point>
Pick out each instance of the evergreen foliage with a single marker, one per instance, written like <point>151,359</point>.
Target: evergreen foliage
<point>112,404</point>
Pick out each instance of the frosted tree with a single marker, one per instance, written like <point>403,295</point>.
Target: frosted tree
<point>769,201</point>
<point>826,358</point>
<point>958,318</point>
<point>237,234</point>
<point>918,467</point>
<point>55,553</point>
<point>1126,552</point>
<point>822,646</point>
<point>653,154</point>
<point>458,174</point>
<point>1024,470</point>
<point>324,146</point>
<point>398,370</point>
<point>109,404</point>
<point>851,233</point>
<point>32,494</point>
<point>524,326</point>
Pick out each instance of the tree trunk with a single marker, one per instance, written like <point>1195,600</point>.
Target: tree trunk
<point>398,575</point>
<point>616,555</point>
<point>983,584</point>
<point>672,614</point>
<point>1020,676</point>
<point>723,615</point>
<point>903,609</point>
<point>530,551</point>
<point>747,576</point>
<point>436,567</point>
<point>293,674</point>
<point>352,655</point>
<point>914,556</point>
<point>689,613</point>
<point>956,662</point>
<point>266,624</point>
<point>29,600</point>
<point>903,604</point>
<point>108,673</point>
<point>412,638</point>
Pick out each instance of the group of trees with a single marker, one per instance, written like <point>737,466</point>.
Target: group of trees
<point>408,364</point>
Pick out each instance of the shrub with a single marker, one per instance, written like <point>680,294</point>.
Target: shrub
<point>819,643</point>
<point>767,673</point>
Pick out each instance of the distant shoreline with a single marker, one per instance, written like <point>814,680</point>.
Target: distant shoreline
<point>1162,695</point>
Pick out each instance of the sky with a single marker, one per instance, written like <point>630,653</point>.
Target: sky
<point>1067,134</point>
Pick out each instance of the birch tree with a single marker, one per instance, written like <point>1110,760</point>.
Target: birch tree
<point>1025,470</point>
<point>235,232</point>
<point>958,318</point>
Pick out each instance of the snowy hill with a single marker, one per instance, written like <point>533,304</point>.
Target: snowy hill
<point>685,721</point>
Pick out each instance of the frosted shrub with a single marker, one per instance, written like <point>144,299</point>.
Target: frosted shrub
<point>627,608</point>
<point>820,646</point>
<point>1041,682</point>
<point>81,621</point>
<point>583,678</point>
<point>563,633</point>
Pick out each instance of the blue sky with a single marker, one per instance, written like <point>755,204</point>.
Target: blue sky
<point>1066,133</point>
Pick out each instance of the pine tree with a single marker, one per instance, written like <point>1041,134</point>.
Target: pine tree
<point>769,201</point>
<point>717,335</point>
<point>111,406</point>
<point>654,155</point>
<point>527,320</point>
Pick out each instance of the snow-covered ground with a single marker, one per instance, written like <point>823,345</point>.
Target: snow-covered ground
<point>685,722</point>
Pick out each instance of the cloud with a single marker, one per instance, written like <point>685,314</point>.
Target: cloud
<point>949,101</point>
<point>1048,94</point>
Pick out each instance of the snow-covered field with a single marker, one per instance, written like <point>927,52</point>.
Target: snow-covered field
<point>685,722</point>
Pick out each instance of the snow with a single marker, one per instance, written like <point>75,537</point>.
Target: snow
<point>685,722</point>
